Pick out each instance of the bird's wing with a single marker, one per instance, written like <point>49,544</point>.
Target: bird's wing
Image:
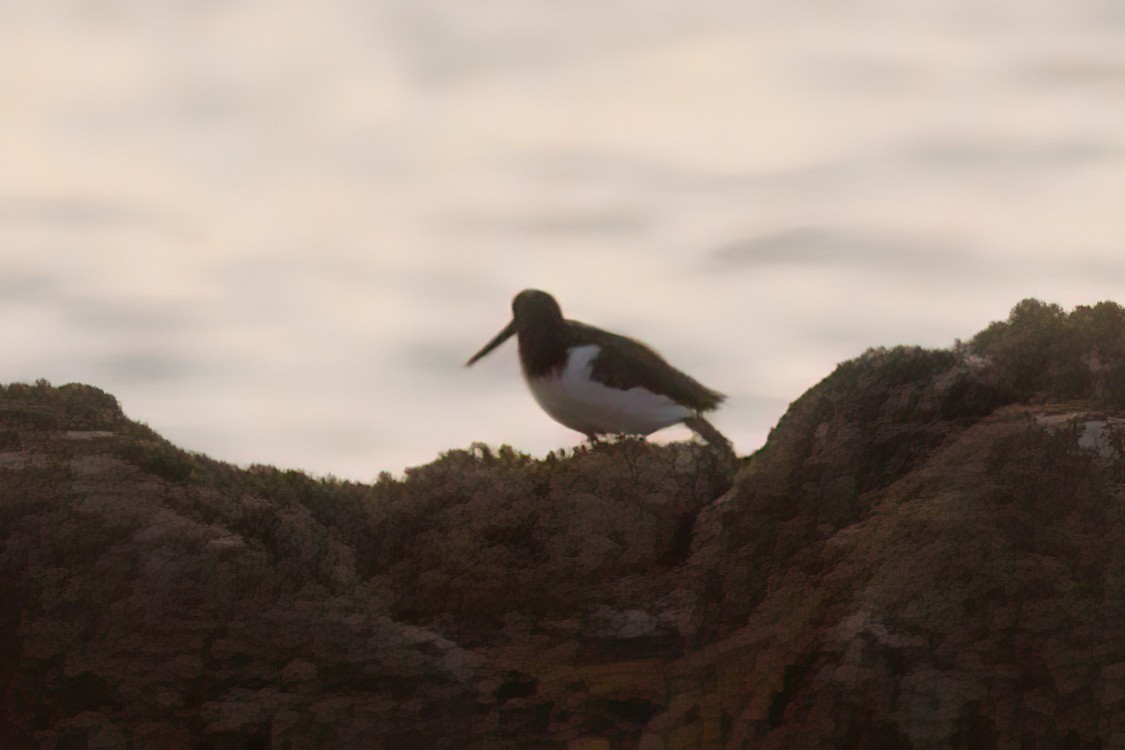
<point>626,363</point>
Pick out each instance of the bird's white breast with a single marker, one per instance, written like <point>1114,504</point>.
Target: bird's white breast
<point>572,398</point>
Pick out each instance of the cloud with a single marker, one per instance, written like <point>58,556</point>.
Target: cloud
<point>75,212</point>
<point>848,249</point>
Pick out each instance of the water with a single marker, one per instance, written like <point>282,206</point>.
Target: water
<point>276,231</point>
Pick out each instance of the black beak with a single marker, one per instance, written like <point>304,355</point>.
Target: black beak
<point>507,333</point>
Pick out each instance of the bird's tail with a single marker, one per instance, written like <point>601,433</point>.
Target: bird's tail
<point>714,438</point>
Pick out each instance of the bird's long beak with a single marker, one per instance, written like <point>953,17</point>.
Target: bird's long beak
<point>507,333</point>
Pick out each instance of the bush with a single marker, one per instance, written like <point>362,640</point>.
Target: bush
<point>1042,350</point>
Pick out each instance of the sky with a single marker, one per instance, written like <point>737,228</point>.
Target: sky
<point>275,231</point>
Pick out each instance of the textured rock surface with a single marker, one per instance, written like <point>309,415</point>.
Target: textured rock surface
<point>922,556</point>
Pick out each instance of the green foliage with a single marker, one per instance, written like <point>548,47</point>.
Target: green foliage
<point>1043,350</point>
<point>893,367</point>
<point>90,408</point>
<point>159,458</point>
<point>77,406</point>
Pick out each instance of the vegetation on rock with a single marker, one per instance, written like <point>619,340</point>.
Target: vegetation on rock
<point>1043,351</point>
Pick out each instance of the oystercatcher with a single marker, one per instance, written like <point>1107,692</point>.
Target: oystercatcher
<point>600,383</point>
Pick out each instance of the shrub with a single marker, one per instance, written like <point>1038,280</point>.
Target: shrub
<point>1042,350</point>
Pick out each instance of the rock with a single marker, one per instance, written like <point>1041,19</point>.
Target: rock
<point>922,556</point>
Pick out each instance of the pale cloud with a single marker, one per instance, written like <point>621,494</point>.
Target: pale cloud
<point>276,231</point>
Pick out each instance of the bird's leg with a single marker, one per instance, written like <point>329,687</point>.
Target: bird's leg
<point>714,438</point>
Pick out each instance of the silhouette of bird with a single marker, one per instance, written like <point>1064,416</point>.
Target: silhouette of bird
<point>601,383</point>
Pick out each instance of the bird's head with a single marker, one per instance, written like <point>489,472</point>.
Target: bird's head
<point>532,311</point>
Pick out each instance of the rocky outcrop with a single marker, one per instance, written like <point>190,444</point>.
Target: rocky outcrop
<point>929,552</point>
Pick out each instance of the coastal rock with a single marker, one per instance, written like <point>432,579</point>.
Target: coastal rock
<point>929,552</point>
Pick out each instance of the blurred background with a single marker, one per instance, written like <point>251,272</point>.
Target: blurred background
<point>275,231</point>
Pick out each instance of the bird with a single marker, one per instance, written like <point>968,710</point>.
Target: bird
<point>601,383</point>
